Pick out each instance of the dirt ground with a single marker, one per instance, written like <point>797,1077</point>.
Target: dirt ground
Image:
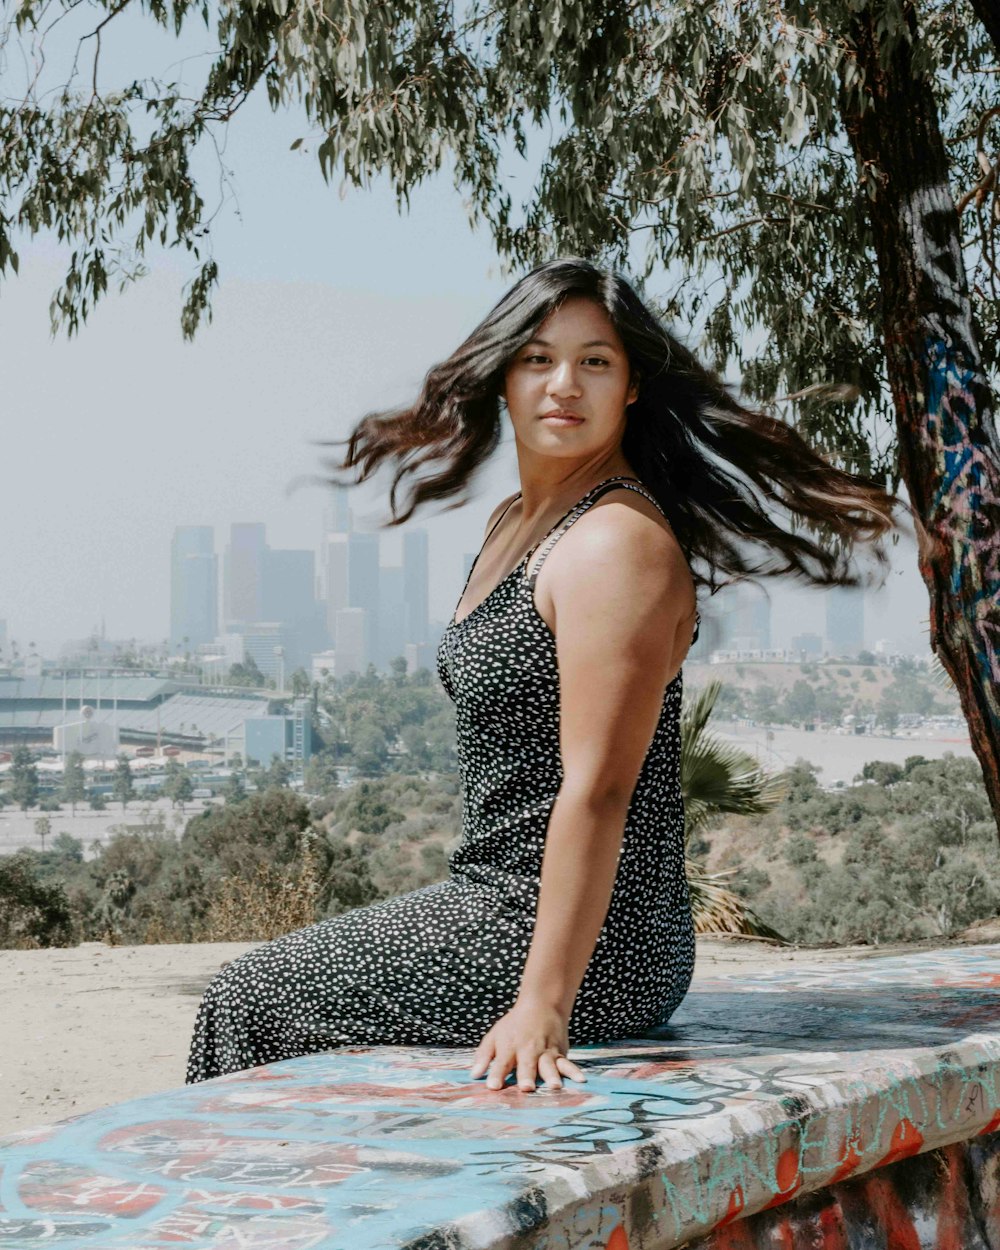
<point>93,1024</point>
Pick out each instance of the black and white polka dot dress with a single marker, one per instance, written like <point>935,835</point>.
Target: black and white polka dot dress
<point>439,965</point>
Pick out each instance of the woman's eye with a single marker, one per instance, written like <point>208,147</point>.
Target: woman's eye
<point>598,360</point>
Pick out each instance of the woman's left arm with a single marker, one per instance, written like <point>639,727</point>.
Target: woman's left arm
<point>621,591</point>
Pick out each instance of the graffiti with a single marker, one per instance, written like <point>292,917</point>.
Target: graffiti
<point>957,432</point>
<point>764,1090</point>
<point>946,1199</point>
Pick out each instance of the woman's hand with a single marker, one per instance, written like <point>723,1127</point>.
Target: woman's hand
<point>531,1038</point>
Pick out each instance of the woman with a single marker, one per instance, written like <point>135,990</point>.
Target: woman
<point>566,914</point>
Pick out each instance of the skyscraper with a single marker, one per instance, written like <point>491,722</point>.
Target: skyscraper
<point>193,587</point>
<point>337,515</point>
<point>415,583</point>
<point>363,585</point>
<point>335,560</point>
<point>288,595</point>
<point>393,615</point>
<point>845,619</point>
<point>243,573</point>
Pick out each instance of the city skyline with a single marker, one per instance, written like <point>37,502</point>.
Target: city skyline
<point>300,589</point>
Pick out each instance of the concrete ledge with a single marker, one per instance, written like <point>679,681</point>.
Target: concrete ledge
<point>764,1087</point>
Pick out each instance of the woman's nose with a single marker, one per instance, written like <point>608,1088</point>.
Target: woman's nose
<point>563,380</point>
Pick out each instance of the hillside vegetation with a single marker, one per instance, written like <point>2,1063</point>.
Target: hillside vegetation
<point>910,853</point>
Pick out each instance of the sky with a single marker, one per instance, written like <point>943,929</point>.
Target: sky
<point>330,306</point>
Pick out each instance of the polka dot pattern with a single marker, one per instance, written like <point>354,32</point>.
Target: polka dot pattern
<point>439,965</point>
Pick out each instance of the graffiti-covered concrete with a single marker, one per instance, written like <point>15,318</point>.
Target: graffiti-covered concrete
<point>765,1087</point>
<point>944,1199</point>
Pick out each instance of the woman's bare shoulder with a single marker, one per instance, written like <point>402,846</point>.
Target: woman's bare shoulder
<point>500,508</point>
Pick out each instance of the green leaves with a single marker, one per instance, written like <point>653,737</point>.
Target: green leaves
<point>701,139</point>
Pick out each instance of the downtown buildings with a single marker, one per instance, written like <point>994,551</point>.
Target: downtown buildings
<point>286,610</point>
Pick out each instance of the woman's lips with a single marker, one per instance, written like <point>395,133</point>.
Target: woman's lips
<point>560,418</point>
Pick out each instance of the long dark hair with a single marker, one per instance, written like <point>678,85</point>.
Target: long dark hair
<point>710,460</point>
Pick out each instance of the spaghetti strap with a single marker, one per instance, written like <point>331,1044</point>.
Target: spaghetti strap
<point>578,510</point>
<point>468,576</point>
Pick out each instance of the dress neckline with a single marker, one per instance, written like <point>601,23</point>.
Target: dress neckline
<point>519,567</point>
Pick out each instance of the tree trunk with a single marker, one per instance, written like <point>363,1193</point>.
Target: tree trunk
<point>949,453</point>
<point>988,12</point>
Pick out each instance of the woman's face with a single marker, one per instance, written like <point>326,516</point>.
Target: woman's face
<point>576,362</point>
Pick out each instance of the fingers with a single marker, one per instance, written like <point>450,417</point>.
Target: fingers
<point>548,1070</point>
<point>570,1069</point>
<point>549,1066</point>
<point>527,1065</point>
<point>483,1056</point>
<point>501,1065</point>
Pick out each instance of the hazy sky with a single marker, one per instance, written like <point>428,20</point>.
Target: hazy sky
<point>328,308</point>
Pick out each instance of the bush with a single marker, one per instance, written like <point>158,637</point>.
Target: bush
<point>32,913</point>
<point>800,850</point>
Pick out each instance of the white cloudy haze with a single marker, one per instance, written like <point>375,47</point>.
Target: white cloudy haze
<point>328,308</point>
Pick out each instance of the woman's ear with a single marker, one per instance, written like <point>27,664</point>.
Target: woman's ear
<point>633,391</point>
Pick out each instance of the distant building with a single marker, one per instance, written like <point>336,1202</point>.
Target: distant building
<point>140,709</point>
<point>335,580</point>
<point>194,580</point>
<point>288,737</point>
<point>323,665</point>
<point>416,570</point>
<point>737,618</point>
<point>288,596</point>
<point>421,655</point>
<point>349,644</point>
<point>363,585</point>
<point>845,620</point>
<point>338,518</point>
<point>393,615</point>
<point>266,643</point>
<point>243,574</point>
<point>94,739</point>
<point>807,645</point>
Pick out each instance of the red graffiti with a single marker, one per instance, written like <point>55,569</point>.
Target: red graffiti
<point>851,1158</point>
<point>994,1124</point>
<point>951,1206</point>
<point>831,1228</point>
<point>890,1211</point>
<point>787,1176</point>
<point>618,1240</point>
<point>906,1140</point>
<point>735,1208</point>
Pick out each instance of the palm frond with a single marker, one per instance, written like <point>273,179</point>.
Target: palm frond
<point>716,909</point>
<point>718,776</point>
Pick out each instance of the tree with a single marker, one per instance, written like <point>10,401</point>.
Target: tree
<point>43,827</point>
<point>178,786</point>
<point>247,674</point>
<point>821,173</point>
<point>24,778</point>
<point>32,913</point>
<point>234,791</point>
<point>278,772</point>
<point>121,784</point>
<point>718,777</point>
<point>320,774</point>
<point>300,682</point>
<point>74,785</point>
<point>800,702</point>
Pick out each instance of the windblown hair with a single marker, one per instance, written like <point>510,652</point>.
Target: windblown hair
<point>713,463</point>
